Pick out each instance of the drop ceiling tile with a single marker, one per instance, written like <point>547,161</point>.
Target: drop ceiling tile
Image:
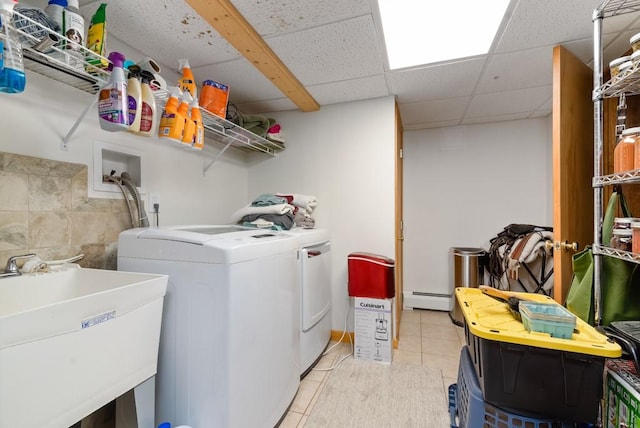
<point>547,22</point>
<point>616,24</point>
<point>541,113</point>
<point>166,30</point>
<point>516,70</point>
<point>508,102</point>
<point>495,118</point>
<point>433,111</point>
<point>339,51</point>
<point>547,105</point>
<point>271,17</point>
<point>616,47</point>
<point>430,125</point>
<point>583,49</point>
<point>245,82</point>
<point>350,90</point>
<point>442,81</point>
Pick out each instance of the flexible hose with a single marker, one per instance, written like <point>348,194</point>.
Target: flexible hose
<point>143,220</point>
<point>117,181</point>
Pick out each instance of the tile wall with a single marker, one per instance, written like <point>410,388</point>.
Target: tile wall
<point>44,209</point>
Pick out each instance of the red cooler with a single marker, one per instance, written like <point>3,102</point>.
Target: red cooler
<point>371,275</point>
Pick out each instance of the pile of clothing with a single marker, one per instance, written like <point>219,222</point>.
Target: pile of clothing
<point>279,211</point>
<point>262,126</point>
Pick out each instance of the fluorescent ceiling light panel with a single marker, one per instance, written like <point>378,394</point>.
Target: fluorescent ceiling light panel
<point>420,32</point>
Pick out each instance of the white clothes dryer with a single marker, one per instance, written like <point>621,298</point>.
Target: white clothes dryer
<point>315,294</point>
<point>229,345</point>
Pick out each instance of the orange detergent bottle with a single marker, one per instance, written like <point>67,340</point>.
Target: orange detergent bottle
<point>170,116</point>
<point>186,126</point>
<point>187,82</point>
<point>196,117</point>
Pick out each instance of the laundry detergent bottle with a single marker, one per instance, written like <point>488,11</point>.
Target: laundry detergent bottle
<point>196,117</point>
<point>169,115</point>
<point>134,98</point>
<point>113,108</point>
<point>12,77</point>
<point>184,129</point>
<point>148,108</point>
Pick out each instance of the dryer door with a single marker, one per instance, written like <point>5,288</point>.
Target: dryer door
<point>315,292</point>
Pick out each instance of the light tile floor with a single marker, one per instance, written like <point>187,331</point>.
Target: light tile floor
<point>426,338</point>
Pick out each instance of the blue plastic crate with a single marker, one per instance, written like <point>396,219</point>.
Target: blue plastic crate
<point>548,318</point>
<point>467,409</point>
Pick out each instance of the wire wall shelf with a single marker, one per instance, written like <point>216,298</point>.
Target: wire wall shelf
<point>619,254</point>
<point>43,55</point>
<point>628,81</point>
<point>632,176</point>
<point>609,8</point>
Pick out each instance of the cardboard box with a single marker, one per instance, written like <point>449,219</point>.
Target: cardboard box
<point>622,395</point>
<point>373,326</point>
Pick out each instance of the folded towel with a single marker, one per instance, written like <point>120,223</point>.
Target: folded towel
<point>255,123</point>
<point>267,199</point>
<point>304,221</point>
<point>271,209</point>
<point>259,223</point>
<point>307,202</point>
<point>279,221</point>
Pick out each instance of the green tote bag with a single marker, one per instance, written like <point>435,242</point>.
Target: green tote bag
<point>620,280</point>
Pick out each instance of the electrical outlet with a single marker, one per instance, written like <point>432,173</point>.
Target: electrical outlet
<point>154,198</point>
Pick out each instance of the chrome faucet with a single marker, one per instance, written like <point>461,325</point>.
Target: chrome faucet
<point>12,267</point>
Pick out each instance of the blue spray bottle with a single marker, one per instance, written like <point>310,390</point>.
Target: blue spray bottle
<point>113,104</point>
<point>12,78</point>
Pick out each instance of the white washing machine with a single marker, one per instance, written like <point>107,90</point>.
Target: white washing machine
<point>315,294</point>
<point>229,345</point>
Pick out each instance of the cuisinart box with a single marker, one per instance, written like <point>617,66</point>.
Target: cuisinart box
<point>373,329</point>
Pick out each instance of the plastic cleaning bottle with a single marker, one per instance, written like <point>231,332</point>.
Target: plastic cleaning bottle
<point>12,77</point>
<point>169,115</point>
<point>134,98</point>
<point>55,10</point>
<point>73,29</point>
<point>112,101</point>
<point>196,117</point>
<point>183,130</point>
<point>187,81</point>
<point>97,40</point>
<point>148,110</point>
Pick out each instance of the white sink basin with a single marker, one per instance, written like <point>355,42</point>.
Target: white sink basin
<point>74,339</point>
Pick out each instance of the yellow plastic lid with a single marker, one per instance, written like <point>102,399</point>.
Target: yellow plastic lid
<point>491,319</point>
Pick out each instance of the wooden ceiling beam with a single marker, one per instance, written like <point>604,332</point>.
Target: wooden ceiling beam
<point>231,25</point>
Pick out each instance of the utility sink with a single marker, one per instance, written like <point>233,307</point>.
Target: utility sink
<point>72,340</point>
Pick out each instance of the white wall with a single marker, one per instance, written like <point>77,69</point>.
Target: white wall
<point>462,185</point>
<point>34,122</point>
<point>344,155</point>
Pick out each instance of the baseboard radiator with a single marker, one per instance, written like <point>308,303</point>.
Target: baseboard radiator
<point>422,300</point>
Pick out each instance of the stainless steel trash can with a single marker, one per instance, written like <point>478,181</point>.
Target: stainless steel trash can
<point>466,270</point>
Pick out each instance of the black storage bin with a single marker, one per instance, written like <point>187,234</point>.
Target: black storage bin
<point>536,381</point>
